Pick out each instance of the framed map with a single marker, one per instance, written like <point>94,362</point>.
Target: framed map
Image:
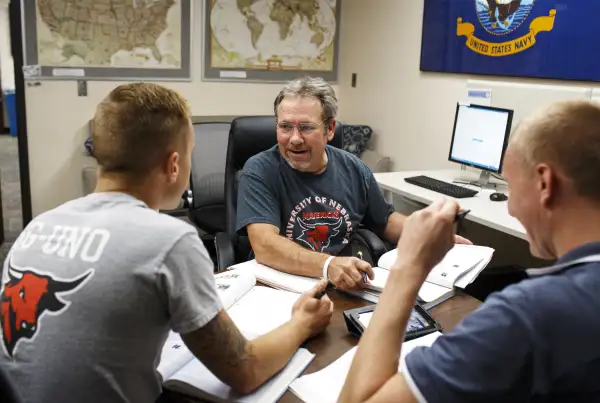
<point>107,39</point>
<point>270,40</point>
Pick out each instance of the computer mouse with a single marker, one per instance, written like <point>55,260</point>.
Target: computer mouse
<point>498,197</point>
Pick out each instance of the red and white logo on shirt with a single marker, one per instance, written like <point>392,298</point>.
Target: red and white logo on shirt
<point>316,221</point>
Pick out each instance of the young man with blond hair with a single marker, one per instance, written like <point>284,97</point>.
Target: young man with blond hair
<point>535,341</point>
<point>92,288</point>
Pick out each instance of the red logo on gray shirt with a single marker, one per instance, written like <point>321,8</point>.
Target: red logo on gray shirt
<point>25,297</point>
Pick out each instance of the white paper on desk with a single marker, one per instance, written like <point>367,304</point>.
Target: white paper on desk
<point>456,263</point>
<point>472,274</point>
<point>204,383</point>
<point>263,309</point>
<point>431,292</point>
<point>381,276</point>
<point>276,278</point>
<point>174,356</point>
<point>326,385</point>
<point>428,291</point>
<point>388,259</point>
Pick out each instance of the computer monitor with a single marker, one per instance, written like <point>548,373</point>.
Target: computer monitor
<point>480,137</point>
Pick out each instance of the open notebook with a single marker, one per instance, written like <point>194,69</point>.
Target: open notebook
<point>275,278</point>
<point>459,268</point>
<point>295,283</point>
<point>325,386</point>
<point>255,310</point>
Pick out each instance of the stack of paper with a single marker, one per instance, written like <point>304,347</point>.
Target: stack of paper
<point>185,374</point>
<point>255,311</point>
<point>459,268</point>
<point>326,385</point>
<point>277,279</point>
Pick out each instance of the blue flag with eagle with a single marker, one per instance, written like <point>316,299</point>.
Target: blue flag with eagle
<point>525,38</point>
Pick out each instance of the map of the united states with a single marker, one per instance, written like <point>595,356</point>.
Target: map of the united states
<point>94,30</point>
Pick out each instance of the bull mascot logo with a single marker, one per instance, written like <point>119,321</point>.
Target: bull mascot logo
<point>25,297</point>
<point>318,236</point>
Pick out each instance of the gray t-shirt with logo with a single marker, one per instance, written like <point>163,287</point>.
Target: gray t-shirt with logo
<point>319,212</point>
<point>89,293</point>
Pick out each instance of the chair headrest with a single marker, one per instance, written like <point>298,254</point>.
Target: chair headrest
<point>250,135</point>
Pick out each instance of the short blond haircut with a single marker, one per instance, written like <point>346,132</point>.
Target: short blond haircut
<point>136,126</point>
<point>567,135</point>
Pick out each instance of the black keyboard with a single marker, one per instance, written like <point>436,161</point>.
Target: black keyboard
<point>446,188</point>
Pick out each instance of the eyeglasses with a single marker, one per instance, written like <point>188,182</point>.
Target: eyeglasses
<point>303,128</point>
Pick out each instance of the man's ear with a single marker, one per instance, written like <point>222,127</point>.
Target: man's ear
<point>172,170</point>
<point>331,130</point>
<point>547,183</point>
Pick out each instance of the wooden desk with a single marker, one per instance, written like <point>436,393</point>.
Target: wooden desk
<point>336,340</point>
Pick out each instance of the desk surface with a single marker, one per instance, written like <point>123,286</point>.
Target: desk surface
<point>336,340</point>
<point>483,210</point>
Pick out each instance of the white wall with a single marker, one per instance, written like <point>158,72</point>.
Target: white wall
<point>411,112</point>
<point>57,119</point>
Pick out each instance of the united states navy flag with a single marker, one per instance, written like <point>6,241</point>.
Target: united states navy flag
<point>526,38</point>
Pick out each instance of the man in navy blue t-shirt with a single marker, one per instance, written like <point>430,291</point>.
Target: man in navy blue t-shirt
<point>536,341</point>
<point>300,201</point>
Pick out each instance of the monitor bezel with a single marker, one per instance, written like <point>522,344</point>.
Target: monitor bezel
<point>510,113</point>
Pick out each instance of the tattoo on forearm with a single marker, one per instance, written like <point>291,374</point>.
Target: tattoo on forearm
<point>221,346</point>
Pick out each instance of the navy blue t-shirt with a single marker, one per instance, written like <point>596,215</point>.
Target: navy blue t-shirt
<point>535,341</point>
<point>318,211</point>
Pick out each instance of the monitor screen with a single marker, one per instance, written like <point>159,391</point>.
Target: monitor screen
<point>480,136</point>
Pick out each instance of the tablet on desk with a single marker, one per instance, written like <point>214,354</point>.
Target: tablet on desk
<point>419,324</point>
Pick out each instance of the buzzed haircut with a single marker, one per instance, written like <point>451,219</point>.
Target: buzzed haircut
<point>136,126</point>
<point>566,134</point>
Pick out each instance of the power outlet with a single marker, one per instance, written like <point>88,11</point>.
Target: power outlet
<point>82,88</point>
<point>353,80</point>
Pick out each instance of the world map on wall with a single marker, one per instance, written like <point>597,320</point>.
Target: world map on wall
<point>109,33</point>
<point>273,34</point>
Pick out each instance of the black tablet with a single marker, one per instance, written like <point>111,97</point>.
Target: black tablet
<point>420,322</point>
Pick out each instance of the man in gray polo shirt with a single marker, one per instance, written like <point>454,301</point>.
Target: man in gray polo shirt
<point>536,341</point>
<point>91,288</point>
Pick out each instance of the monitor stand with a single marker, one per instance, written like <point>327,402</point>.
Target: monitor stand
<point>483,181</point>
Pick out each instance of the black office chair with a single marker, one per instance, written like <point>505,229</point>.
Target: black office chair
<point>248,136</point>
<point>205,198</point>
<point>207,179</point>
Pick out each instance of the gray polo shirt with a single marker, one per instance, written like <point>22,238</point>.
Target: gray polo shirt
<point>535,341</point>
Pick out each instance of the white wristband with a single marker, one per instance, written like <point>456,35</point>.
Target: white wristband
<point>326,266</point>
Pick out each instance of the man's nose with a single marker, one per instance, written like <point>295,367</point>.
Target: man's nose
<point>296,137</point>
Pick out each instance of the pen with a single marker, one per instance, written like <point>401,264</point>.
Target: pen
<point>364,275</point>
<point>461,215</point>
<point>320,294</point>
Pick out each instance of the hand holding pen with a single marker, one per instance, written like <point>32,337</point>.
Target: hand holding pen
<point>427,236</point>
<point>347,272</point>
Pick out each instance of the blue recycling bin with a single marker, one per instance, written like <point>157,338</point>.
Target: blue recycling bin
<point>11,110</point>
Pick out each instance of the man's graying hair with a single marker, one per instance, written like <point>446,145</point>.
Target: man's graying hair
<point>314,87</point>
